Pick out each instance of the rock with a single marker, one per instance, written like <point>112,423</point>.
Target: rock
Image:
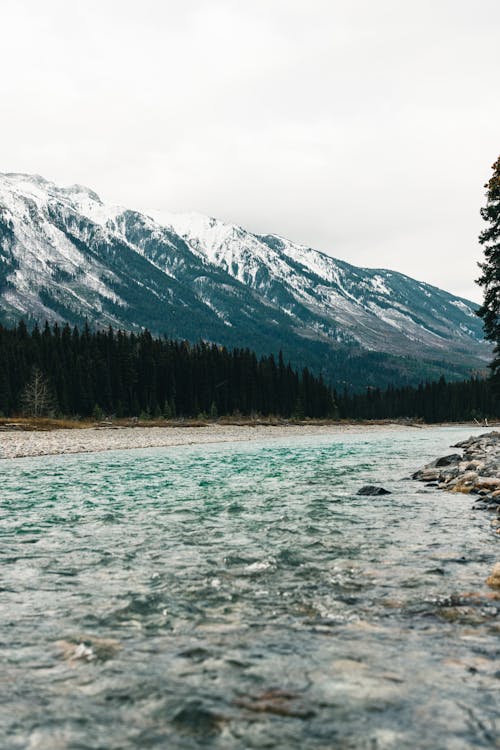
<point>89,648</point>
<point>196,720</point>
<point>470,476</point>
<point>488,483</point>
<point>277,702</point>
<point>464,489</point>
<point>453,458</point>
<point>494,579</point>
<point>370,489</point>
<point>428,476</point>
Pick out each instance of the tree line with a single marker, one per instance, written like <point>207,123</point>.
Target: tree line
<point>71,372</point>
<point>65,371</point>
<point>434,402</point>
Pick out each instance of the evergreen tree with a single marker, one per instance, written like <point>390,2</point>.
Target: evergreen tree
<point>490,276</point>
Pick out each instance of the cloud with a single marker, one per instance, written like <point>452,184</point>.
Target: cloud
<point>364,129</point>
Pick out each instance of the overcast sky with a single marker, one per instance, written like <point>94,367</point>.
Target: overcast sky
<point>364,128</point>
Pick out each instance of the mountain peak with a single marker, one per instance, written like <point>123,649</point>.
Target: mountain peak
<point>205,234</point>
<point>17,186</point>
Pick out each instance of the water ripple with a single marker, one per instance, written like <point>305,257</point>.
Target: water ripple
<point>244,596</point>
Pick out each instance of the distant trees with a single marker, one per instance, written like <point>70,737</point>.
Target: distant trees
<point>433,402</point>
<point>490,276</point>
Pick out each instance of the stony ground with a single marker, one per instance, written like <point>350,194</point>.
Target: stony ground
<point>15,443</point>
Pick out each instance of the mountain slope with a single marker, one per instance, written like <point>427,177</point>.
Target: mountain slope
<point>66,256</point>
<point>380,310</point>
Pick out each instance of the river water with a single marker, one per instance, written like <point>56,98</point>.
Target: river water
<point>243,596</point>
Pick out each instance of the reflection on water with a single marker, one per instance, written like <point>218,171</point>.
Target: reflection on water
<point>243,596</point>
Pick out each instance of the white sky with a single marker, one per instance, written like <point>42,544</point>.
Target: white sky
<point>363,128</point>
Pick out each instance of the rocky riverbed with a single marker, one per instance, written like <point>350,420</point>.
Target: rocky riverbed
<point>20,443</point>
<point>475,471</point>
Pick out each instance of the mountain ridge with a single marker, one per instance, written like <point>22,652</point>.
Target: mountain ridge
<point>67,255</point>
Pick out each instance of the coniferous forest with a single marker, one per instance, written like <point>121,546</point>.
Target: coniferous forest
<point>70,372</point>
<point>65,371</point>
<point>433,402</point>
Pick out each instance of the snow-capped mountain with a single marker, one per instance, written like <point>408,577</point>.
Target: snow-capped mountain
<point>67,256</point>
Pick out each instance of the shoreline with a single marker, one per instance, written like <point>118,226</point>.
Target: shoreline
<point>475,471</point>
<point>18,442</point>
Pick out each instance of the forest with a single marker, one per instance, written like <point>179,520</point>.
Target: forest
<point>434,402</point>
<point>64,371</point>
<point>72,372</point>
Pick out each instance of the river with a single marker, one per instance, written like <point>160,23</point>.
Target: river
<point>243,596</point>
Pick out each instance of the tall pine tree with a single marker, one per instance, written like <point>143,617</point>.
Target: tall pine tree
<point>490,276</point>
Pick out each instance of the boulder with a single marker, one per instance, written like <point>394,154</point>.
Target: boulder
<point>488,483</point>
<point>469,476</point>
<point>453,458</point>
<point>465,489</point>
<point>429,476</point>
<point>494,579</point>
<point>371,489</point>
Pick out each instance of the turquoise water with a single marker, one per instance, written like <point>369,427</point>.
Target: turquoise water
<point>243,596</point>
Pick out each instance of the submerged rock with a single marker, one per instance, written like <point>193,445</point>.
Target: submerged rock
<point>89,648</point>
<point>371,489</point>
<point>493,580</point>
<point>278,702</point>
<point>196,720</point>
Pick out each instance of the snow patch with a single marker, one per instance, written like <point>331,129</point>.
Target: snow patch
<point>464,308</point>
<point>379,285</point>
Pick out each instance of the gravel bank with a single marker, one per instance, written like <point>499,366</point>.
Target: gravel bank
<point>18,444</point>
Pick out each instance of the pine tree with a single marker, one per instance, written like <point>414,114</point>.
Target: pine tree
<point>490,277</point>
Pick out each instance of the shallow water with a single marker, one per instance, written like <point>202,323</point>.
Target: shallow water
<point>243,596</point>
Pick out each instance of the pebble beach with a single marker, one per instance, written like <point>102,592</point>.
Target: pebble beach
<point>15,443</point>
